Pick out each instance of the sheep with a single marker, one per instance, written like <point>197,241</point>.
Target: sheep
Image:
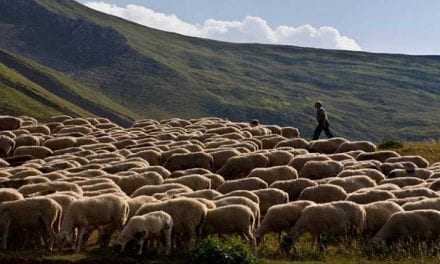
<point>109,211</point>
<point>189,160</point>
<point>326,146</point>
<point>241,193</point>
<point>293,187</point>
<point>195,182</point>
<point>60,143</point>
<point>181,173</point>
<point>221,156</point>
<point>130,184</point>
<point>154,224</point>
<point>248,184</point>
<point>365,146</point>
<point>10,194</point>
<point>216,180</point>
<point>279,157</point>
<point>188,216</point>
<point>323,193</point>
<point>416,173</point>
<point>369,196</point>
<point>207,194</point>
<point>414,192</point>
<point>29,214</point>
<point>340,219</point>
<point>375,175</point>
<point>377,214</point>
<point>231,219</point>
<point>387,167</point>
<point>299,161</point>
<point>281,217</point>
<point>381,155</point>
<point>404,181</point>
<point>255,208</point>
<point>151,156</point>
<point>239,166</point>
<point>273,174</point>
<point>26,140</point>
<point>37,152</point>
<point>9,123</point>
<point>409,226</point>
<point>159,169</point>
<point>353,183</point>
<point>316,170</point>
<point>135,203</point>
<point>152,189</point>
<point>418,160</point>
<point>269,197</point>
<point>49,187</point>
<point>294,143</point>
<point>430,203</point>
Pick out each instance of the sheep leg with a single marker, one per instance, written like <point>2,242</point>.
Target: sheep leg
<point>141,245</point>
<point>168,241</point>
<point>6,226</point>
<point>82,232</point>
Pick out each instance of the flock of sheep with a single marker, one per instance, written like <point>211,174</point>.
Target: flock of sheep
<point>172,182</point>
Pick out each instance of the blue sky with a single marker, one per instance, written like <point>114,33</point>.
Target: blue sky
<point>391,26</point>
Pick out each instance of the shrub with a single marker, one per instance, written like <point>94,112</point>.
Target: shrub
<point>215,251</point>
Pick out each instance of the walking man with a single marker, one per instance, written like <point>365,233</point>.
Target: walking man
<point>323,124</point>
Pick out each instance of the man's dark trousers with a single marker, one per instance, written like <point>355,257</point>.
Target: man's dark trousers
<point>318,130</point>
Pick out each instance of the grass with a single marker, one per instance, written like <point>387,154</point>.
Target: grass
<point>430,150</point>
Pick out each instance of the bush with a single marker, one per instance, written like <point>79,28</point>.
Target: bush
<point>390,144</point>
<point>215,251</point>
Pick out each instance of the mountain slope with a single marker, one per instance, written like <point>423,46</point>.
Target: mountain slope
<point>159,74</point>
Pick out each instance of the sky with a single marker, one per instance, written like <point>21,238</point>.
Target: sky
<point>386,26</point>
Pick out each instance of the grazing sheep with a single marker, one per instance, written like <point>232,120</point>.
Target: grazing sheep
<point>30,214</point>
<point>273,174</point>
<point>9,123</point>
<point>279,157</point>
<point>195,182</point>
<point>221,156</point>
<point>316,170</point>
<point>189,161</point>
<point>60,143</point>
<point>326,146</point>
<point>154,224</point>
<point>248,184</point>
<point>415,192</point>
<point>130,184</point>
<point>377,214</point>
<point>109,211</point>
<point>231,219</point>
<point>375,175</point>
<point>151,156</point>
<point>216,180</point>
<point>387,167</point>
<point>365,146</point>
<point>49,187</point>
<point>416,173</point>
<point>369,196</point>
<point>153,189</point>
<point>353,183</point>
<point>418,160</point>
<point>281,218</point>
<point>404,181</point>
<point>207,194</point>
<point>381,155</point>
<point>239,166</point>
<point>135,203</point>
<point>10,194</point>
<point>255,208</point>
<point>431,203</point>
<point>293,187</point>
<point>37,152</point>
<point>299,161</point>
<point>270,197</point>
<point>241,193</point>
<point>412,226</point>
<point>339,219</point>
<point>188,215</point>
<point>323,193</point>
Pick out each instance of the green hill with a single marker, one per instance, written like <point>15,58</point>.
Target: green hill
<point>133,71</point>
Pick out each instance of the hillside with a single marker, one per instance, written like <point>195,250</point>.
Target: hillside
<point>137,71</point>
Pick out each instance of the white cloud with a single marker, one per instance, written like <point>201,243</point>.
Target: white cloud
<point>250,29</point>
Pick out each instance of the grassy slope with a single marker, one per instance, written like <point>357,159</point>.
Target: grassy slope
<point>159,74</point>
<point>29,90</point>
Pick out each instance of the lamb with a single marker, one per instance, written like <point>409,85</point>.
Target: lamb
<point>412,226</point>
<point>195,182</point>
<point>9,194</point>
<point>341,219</point>
<point>189,160</point>
<point>29,214</point>
<point>270,197</point>
<point>377,214</point>
<point>154,224</point>
<point>273,174</point>
<point>353,183</point>
<point>231,219</point>
<point>369,196</point>
<point>281,218</point>
<point>365,146</point>
<point>109,211</point>
<point>248,184</point>
<point>323,193</point>
<point>239,166</point>
<point>293,187</point>
<point>316,170</point>
<point>188,216</point>
<point>418,160</point>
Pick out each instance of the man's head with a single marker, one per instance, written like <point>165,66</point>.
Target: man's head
<point>254,123</point>
<point>318,104</point>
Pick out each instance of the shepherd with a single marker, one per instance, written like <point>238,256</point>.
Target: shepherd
<point>323,124</point>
